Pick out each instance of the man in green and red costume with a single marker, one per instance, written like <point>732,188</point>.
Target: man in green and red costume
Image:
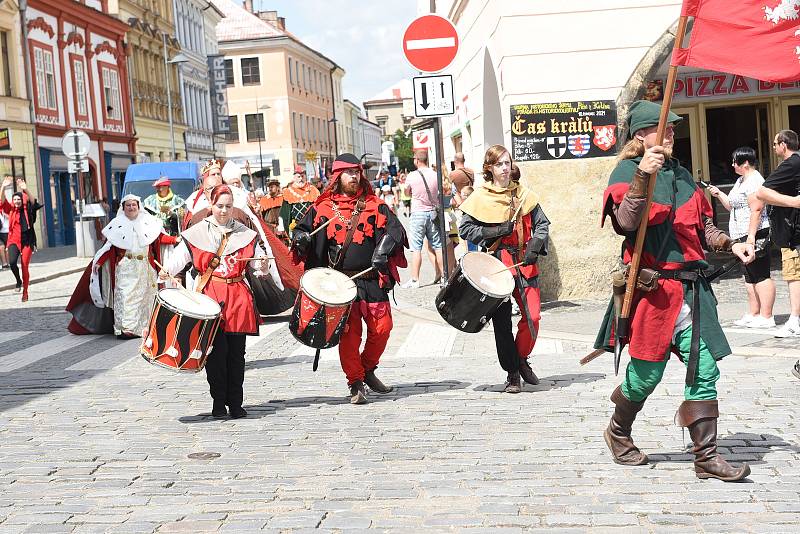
<point>679,314</point>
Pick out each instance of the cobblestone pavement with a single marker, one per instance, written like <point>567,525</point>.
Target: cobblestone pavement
<point>95,440</point>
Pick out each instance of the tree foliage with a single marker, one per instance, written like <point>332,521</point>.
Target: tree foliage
<point>403,150</point>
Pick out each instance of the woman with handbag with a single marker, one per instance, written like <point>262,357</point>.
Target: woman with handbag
<point>220,248</point>
<point>505,218</point>
<point>744,206</point>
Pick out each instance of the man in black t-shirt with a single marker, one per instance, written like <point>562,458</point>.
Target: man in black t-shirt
<point>780,190</point>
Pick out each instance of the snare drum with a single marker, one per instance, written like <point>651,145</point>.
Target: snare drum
<point>322,307</point>
<point>181,332</point>
<point>477,287</point>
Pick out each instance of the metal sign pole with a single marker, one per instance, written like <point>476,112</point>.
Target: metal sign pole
<point>442,224</point>
<point>79,175</point>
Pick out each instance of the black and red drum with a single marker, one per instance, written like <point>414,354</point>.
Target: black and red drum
<point>478,286</point>
<point>181,332</point>
<point>322,307</point>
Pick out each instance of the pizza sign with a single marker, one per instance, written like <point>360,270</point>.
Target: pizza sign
<point>563,130</point>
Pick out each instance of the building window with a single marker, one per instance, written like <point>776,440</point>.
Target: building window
<point>45,78</point>
<point>255,127</point>
<point>297,72</point>
<point>79,86</point>
<point>5,59</point>
<point>233,135</point>
<point>294,125</point>
<point>302,128</point>
<point>229,72</point>
<point>112,111</point>
<point>250,72</point>
<point>291,72</point>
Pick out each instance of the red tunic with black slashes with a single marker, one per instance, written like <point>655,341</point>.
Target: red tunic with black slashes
<point>238,309</point>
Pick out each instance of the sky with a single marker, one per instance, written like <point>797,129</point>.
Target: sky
<point>362,37</point>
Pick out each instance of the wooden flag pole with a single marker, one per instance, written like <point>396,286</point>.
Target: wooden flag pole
<point>623,321</point>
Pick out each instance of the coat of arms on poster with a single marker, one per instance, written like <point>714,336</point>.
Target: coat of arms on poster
<point>563,130</point>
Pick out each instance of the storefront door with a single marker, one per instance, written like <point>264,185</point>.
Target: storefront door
<point>62,201</point>
<point>687,146</point>
<point>791,114</point>
<point>730,127</point>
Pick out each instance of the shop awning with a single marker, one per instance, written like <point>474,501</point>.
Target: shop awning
<point>120,160</point>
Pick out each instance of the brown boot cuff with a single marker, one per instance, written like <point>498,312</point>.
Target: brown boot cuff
<point>690,412</point>
<point>619,398</point>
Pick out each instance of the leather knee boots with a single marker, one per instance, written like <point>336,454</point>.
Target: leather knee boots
<point>618,433</point>
<point>701,419</point>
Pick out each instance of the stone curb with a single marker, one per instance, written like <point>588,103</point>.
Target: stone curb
<point>47,277</point>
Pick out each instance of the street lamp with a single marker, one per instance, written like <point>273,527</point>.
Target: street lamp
<point>180,58</point>
<point>263,130</point>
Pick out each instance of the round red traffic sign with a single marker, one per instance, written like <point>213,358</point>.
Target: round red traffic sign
<point>430,43</point>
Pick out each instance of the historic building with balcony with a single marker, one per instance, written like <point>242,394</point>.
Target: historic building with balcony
<point>79,72</point>
<point>195,27</point>
<point>152,47</point>
<point>284,98</point>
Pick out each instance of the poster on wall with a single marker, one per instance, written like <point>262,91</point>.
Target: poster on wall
<point>563,130</point>
<point>5,139</point>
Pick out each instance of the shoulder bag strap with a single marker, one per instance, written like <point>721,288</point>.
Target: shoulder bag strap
<point>213,264</point>
<point>360,204</point>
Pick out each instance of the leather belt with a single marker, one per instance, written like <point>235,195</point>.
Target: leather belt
<point>694,350</point>
<point>227,280</point>
<point>371,275</point>
<point>130,256</point>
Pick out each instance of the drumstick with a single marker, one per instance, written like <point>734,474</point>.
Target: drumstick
<point>365,271</point>
<point>323,225</point>
<point>507,268</point>
<point>254,258</point>
<point>190,294</point>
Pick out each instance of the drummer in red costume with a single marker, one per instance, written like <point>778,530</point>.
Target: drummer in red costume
<point>504,210</point>
<point>217,246</point>
<point>364,233</point>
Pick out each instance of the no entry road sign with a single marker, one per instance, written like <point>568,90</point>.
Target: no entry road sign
<point>430,43</point>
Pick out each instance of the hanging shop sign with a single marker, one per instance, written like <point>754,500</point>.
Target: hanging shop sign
<point>563,130</point>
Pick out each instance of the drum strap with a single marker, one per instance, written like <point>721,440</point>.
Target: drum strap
<point>212,265</point>
<point>351,229</point>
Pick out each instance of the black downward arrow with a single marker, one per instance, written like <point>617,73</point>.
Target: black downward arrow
<point>442,89</point>
<point>425,103</point>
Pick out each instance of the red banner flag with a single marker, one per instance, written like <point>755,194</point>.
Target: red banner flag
<point>755,38</point>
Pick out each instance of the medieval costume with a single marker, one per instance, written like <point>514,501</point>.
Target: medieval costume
<point>297,198</point>
<point>121,277</point>
<point>21,241</point>
<point>486,219</point>
<point>270,207</point>
<point>165,205</point>
<point>215,248</point>
<point>364,233</point>
<point>678,313</point>
<point>273,294</point>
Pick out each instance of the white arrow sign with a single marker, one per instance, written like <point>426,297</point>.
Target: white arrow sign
<point>77,165</point>
<point>433,96</point>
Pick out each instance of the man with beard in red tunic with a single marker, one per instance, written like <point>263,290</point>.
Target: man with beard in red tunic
<point>377,241</point>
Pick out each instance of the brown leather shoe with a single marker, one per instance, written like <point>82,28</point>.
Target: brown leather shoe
<point>358,395</point>
<point>618,433</point>
<point>375,384</point>
<point>527,373</point>
<point>512,383</point>
<point>701,418</point>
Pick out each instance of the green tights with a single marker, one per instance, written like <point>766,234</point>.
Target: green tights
<point>642,377</point>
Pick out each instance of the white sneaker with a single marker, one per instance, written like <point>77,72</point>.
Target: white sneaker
<point>411,284</point>
<point>761,322</point>
<point>788,330</point>
<point>744,321</point>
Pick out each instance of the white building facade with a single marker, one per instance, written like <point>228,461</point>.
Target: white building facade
<point>195,29</point>
<point>611,52</point>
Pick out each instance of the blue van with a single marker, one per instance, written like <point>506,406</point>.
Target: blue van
<point>183,175</point>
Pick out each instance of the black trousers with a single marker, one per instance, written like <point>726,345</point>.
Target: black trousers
<point>225,369</point>
<point>507,352</point>
<point>13,258</point>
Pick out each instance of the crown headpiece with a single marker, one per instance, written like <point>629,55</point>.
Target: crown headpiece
<point>212,164</point>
